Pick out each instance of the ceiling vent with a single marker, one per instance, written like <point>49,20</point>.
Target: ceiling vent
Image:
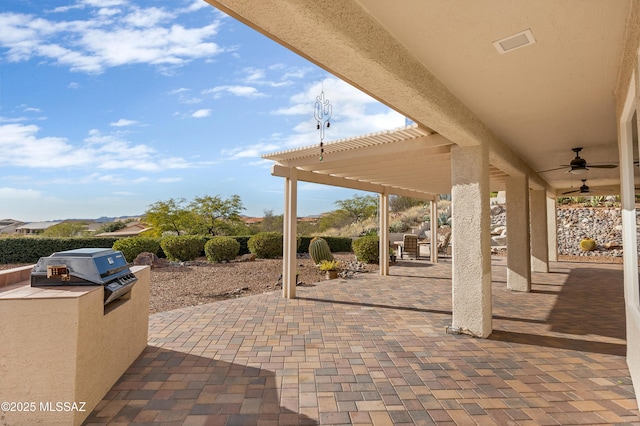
<point>515,41</point>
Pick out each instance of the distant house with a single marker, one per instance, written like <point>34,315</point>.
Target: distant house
<point>93,226</point>
<point>9,226</point>
<point>133,229</point>
<point>251,220</point>
<point>35,227</point>
<point>309,219</point>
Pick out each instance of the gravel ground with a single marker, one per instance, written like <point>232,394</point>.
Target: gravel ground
<point>200,282</point>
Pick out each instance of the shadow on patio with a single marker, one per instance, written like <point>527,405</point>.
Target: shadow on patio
<point>165,386</point>
<point>373,350</point>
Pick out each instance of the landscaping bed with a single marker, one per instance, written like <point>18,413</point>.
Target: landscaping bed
<point>199,282</point>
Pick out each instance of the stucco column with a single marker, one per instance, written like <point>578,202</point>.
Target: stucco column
<point>471,237</point>
<point>434,230</point>
<point>384,234</point>
<point>539,241</point>
<point>518,240</point>
<point>290,243</point>
<point>552,228</point>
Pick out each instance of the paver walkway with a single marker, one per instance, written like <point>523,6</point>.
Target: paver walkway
<point>373,350</point>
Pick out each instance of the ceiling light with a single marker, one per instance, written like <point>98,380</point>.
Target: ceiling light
<point>578,170</point>
<point>515,41</point>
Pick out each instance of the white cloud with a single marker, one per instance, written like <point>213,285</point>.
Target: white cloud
<point>251,151</point>
<point>196,5</point>
<point>103,3</point>
<point>178,91</point>
<point>92,45</point>
<point>354,114</point>
<point>201,113</point>
<point>15,194</point>
<point>21,147</point>
<point>147,17</point>
<point>242,91</point>
<point>254,74</point>
<point>183,96</point>
<point>12,119</point>
<point>123,122</point>
<point>284,77</point>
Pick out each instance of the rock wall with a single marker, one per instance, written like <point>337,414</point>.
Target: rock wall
<point>603,224</point>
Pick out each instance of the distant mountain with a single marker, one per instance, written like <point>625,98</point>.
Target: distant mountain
<point>103,219</point>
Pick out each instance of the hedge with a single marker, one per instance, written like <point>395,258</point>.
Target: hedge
<point>30,249</point>
<point>336,244</point>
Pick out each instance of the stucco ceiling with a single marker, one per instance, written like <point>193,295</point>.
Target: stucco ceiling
<point>435,61</point>
<point>542,99</point>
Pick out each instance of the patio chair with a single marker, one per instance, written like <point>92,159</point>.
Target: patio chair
<point>443,243</point>
<point>410,246</point>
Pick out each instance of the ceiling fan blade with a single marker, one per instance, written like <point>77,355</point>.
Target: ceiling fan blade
<point>602,166</point>
<point>571,192</point>
<point>552,170</point>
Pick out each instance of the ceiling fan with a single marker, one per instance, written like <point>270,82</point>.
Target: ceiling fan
<point>580,166</point>
<point>584,189</point>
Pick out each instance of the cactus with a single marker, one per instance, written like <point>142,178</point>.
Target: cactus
<point>587,244</point>
<point>319,250</point>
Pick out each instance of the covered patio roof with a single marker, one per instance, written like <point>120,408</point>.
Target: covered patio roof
<point>409,161</point>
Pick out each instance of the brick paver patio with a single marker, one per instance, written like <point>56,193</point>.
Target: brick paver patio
<point>373,350</point>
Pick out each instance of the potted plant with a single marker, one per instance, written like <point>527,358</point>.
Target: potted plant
<point>392,256</point>
<point>330,267</point>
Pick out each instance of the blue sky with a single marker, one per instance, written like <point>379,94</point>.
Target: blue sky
<point>107,106</point>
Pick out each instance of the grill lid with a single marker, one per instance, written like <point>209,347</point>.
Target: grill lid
<point>86,266</point>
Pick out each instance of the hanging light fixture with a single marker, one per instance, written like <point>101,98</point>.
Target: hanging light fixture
<point>322,114</point>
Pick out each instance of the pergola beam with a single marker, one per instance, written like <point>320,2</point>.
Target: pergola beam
<point>307,176</point>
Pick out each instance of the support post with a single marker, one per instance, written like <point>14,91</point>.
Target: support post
<point>290,245</point>
<point>384,234</point>
<point>471,235</point>
<point>539,239</point>
<point>434,230</point>
<point>518,239</point>
<point>552,228</point>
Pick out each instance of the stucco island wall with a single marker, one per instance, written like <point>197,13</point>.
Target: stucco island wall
<point>62,350</point>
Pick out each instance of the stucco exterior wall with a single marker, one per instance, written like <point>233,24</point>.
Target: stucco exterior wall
<point>61,345</point>
<point>630,70</point>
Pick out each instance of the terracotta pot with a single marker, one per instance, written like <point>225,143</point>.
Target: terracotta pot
<point>331,275</point>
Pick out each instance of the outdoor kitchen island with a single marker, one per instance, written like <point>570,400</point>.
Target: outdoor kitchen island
<point>62,348</point>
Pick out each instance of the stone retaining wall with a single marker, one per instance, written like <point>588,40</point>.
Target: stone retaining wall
<point>603,224</point>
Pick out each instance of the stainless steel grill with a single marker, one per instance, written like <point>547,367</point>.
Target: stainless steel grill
<point>87,266</point>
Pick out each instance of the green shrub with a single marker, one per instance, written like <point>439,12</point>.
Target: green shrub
<point>367,248</point>
<point>399,226</point>
<point>132,247</point>
<point>183,247</point>
<point>266,245</point>
<point>30,249</point>
<point>220,248</point>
